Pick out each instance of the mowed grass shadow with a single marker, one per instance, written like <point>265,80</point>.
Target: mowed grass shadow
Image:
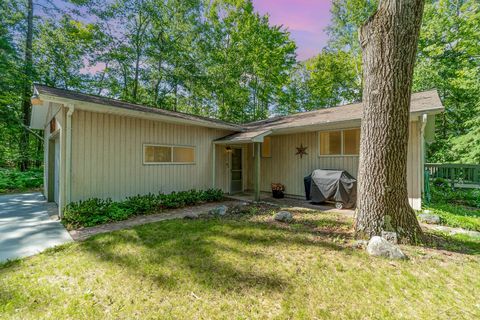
<point>219,254</point>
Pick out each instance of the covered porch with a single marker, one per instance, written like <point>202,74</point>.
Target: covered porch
<point>238,159</point>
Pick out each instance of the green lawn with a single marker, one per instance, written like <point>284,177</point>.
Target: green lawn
<point>457,215</point>
<point>247,267</point>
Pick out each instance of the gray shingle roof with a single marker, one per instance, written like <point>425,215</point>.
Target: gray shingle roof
<point>427,101</point>
<point>73,95</point>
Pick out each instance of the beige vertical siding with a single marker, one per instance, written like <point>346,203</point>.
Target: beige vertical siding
<point>107,157</point>
<point>288,168</point>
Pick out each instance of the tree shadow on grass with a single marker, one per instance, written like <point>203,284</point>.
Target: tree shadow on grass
<point>221,255</point>
<point>453,243</point>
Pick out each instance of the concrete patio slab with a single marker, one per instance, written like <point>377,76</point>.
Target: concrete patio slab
<point>26,227</point>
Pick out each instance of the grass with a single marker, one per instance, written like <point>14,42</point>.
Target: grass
<point>244,266</point>
<point>457,216</point>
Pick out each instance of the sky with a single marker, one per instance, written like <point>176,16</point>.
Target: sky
<point>305,19</point>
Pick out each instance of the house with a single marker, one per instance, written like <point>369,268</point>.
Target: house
<point>100,147</point>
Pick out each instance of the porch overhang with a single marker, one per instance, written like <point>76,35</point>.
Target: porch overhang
<point>244,137</point>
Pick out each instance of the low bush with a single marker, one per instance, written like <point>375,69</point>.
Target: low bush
<point>16,180</point>
<point>443,193</point>
<point>96,211</point>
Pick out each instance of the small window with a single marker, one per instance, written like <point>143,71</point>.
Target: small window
<point>351,142</point>
<point>330,143</point>
<point>157,154</point>
<point>341,142</point>
<point>267,147</point>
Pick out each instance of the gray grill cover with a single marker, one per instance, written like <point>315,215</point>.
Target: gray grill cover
<point>333,185</point>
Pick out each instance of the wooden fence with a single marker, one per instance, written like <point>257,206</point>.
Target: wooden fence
<point>457,173</point>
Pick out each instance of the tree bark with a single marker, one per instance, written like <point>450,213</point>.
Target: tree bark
<point>27,91</point>
<point>389,44</point>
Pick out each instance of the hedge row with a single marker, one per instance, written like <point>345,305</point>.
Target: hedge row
<point>96,211</point>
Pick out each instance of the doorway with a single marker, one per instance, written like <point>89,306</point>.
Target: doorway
<point>236,171</point>
<point>54,169</point>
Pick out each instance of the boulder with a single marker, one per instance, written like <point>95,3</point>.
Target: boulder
<point>429,218</point>
<point>390,236</point>
<point>283,216</point>
<point>220,210</point>
<point>190,215</point>
<point>379,247</point>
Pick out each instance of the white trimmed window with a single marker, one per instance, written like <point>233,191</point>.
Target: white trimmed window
<point>339,142</point>
<point>161,154</point>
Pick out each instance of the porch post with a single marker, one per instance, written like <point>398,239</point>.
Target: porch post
<point>257,170</point>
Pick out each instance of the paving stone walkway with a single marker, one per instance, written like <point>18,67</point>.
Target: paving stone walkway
<point>84,233</point>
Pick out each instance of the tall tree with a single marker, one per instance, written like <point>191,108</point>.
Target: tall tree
<point>27,90</point>
<point>389,43</point>
<point>449,60</point>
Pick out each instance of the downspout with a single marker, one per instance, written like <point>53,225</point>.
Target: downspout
<point>422,151</point>
<point>68,155</point>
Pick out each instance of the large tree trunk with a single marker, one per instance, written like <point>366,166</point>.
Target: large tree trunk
<point>389,43</point>
<point>27,91</point>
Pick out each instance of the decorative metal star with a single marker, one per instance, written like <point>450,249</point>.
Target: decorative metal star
<point>301,151</point>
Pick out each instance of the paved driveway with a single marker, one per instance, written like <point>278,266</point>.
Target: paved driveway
<point>25,226</point>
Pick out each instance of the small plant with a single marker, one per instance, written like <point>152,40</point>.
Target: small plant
<point>96,211</point>
<point>277,190</point>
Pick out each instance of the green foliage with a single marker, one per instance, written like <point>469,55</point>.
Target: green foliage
<point>443,193</point>
<point>15,180</point>
<point>95,211</point>
<point>456,207</point>
<point>449,60</point>
<point>457,216</point>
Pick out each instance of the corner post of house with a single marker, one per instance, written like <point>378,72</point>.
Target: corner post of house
<point>423,119</point>
<point>68,152</point>
<point>214,147</point>
<point>256,171</point>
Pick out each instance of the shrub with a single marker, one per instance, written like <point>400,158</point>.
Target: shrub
<point>87,213</point>
<point>96,211</point>
<point>16,180</point>
<point>141,204</point>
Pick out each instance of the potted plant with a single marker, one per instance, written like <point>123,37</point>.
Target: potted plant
<point>277,190</point>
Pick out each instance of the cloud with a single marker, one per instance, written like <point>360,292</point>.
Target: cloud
<point>305,19</point>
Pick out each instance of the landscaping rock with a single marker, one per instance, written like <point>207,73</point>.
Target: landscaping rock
<point>378,246</point>
<point>220,210</point>
<point>429,218</point>
<point>390,236</point>
<point>283,216</point>
<point>190,215</point>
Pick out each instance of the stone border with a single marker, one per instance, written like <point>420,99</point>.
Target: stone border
<point>84,233</point>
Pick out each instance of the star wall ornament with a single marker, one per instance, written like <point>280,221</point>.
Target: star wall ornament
<point>301,151</point>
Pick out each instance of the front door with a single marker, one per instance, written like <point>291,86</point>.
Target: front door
<point>236,184</point>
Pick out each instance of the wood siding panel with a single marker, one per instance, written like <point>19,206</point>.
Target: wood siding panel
<point>284,166</point>
<point>107,157</point>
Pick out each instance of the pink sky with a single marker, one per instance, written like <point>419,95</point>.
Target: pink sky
<point>305,19</point>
